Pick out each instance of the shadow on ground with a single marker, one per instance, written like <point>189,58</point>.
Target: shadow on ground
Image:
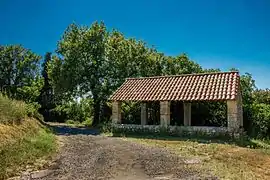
<point>66,130</point>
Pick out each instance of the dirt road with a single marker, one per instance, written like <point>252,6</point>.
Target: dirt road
<point>88,156</point>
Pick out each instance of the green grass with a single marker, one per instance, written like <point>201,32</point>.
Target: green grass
<point>14,157</point>
<point>224,160</point>
<point>86,123</point>
<point>23,139</point>
<point>11,111</point>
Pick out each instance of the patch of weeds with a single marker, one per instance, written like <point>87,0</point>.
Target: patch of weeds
<point>72,122</point>
<point>88,122</point>
<point>11,111</point>
<point>14,157</point>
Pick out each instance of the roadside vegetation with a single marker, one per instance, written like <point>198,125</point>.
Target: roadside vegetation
<point>222,159</point>
<point>24,141</point>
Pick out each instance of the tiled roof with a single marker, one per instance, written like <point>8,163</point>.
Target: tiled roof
<point>189,87</point>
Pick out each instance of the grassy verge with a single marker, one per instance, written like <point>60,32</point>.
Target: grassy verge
<point>226,161</point>
<point>20,149</point>
<point>25,144</point>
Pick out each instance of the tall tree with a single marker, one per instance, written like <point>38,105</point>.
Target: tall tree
<point>180,65</point>
<point>19,72</point>
<point>46,95</point>
<point>83,49</point>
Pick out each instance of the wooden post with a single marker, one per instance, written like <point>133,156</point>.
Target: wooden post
<point>187,114</point>
<point>116,112</point>
<point>165,113</point>
<point>144,113</point>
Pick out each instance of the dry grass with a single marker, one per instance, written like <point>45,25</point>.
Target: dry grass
<point>10,134</point>
<point>226,161</point>
<point>22,139</point>
<point>11,111</point>
<point>24,146</point>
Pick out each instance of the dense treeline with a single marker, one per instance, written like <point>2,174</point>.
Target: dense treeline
<point>92,62</point>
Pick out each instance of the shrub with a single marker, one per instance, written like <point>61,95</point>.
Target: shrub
<point>76,110</point>
<point>88,122</point>
<point>70,121</point>
<point>11,111</point>
<point>261,120</point>
<point>32,111</point>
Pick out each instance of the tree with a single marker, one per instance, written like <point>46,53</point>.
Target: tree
<point>83,52</point>
<point>262,96</point>
<point>179,65</point>
<point>46,99</point>
<point>19,73</point>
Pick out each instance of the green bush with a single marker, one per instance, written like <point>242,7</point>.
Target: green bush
<point>11,111</point>
<point>88,122</point>
<point>79,111</point>
<point>72,122</point>
<point>261,119</point>
<point>32,111</point>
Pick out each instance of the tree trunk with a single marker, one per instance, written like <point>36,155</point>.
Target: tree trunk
<point>96,111</point>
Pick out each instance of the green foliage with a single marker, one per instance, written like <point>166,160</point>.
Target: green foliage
<point>95,62</point>
<point>19,73</point>
<point>77,110</point>
<point>83,49</point>
<point>71,122</point>
<point>131,113</point>
<point>32,111</point>
<point>11,111</point>
<point>88,122</point>
<point>261,119</point>
<point>30,93</point>
<point>46,97</point>
<point>25,151</point>
<point>262,96</point>
<point>247,88</point>
<point>14,111</point>
<point>209,114</point>
<point>179,65</point>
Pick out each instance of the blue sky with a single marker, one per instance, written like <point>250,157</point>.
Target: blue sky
<point>216,34</point>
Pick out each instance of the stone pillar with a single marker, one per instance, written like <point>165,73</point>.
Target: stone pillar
<point>187,114</point>
<point>165,113</point>
<point>240,110</point>
<point>116,112</point>
<point>144,113</point>
<point>235,113</point>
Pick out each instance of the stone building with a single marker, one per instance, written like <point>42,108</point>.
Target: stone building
<point>188,88</point>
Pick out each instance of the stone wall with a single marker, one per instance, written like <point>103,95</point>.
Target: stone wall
<point>173,130</point>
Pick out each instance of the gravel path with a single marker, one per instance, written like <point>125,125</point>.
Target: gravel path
<point>101,158</point>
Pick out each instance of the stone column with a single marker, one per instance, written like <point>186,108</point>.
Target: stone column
<point>144,113</point>
<point>240,110</point>
<point>235,113</point>
<point>187,114</point>
<point>116,112</point>
<point>165,113</point>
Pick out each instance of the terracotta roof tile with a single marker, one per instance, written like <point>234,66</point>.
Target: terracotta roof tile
<point>189,87</point>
